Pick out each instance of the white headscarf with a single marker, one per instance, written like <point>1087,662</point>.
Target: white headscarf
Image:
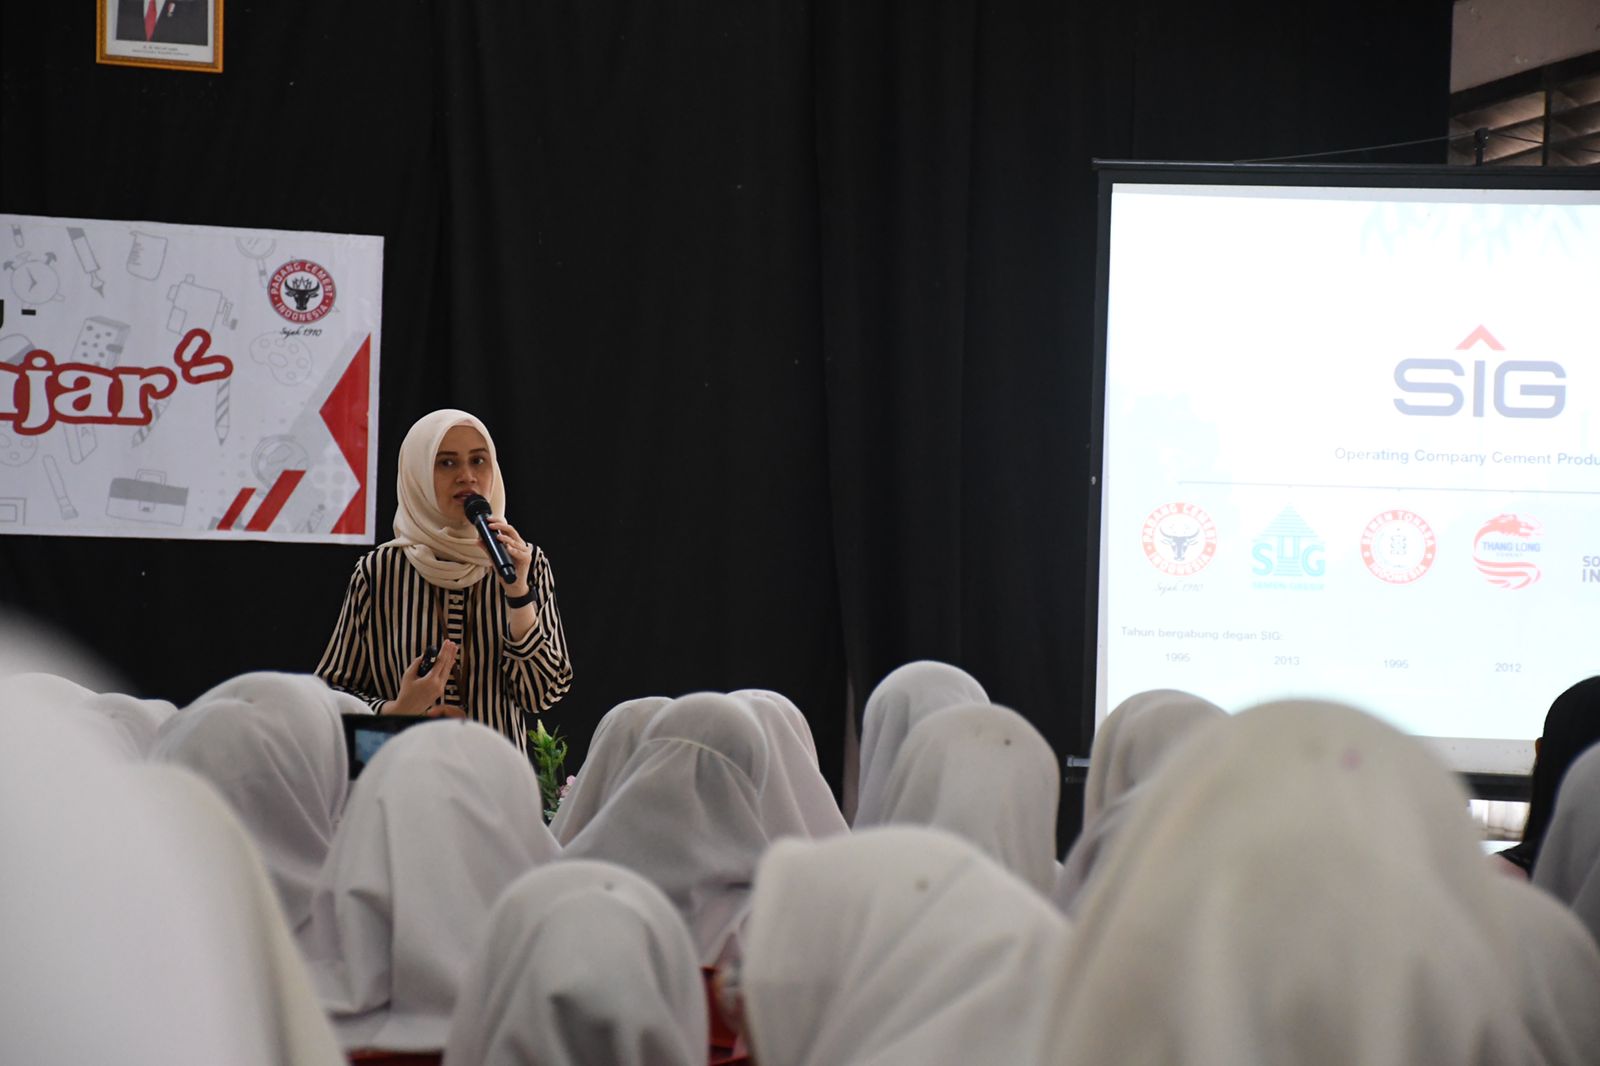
<point>442,820</point>
<point>1299,885</point>
<point>902,699</point>
<point>614,742</point>
<point>687,815</point>
<point>78,730</point>
<point>895,945</point>
<point>983,773</point>
<point>445,554</point>
<point>1569,862</point>
<point>1133,740</point>
<point>273,745</point>
<point>140,719</point>
<point>584,964</point>
<point>795,801</point>
<point>1555,983</point>
<point>139,927</point>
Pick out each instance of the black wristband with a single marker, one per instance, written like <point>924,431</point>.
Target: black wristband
<point>524,599</point>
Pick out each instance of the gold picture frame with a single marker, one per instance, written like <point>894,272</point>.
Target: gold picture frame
<point>164,34</point>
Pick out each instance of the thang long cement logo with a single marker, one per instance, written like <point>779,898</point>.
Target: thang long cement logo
<point>1288,554</point>
<point>302,291</point>
<point>1179,539</point>
<point>1506,550</point>
<point>1398,547</point>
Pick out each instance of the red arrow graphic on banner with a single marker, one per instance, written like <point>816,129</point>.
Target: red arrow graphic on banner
<point>345,414</point>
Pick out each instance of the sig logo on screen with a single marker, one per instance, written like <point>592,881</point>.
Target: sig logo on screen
<point>1179,539</point>
<point>1288,554</point>
<point>1517,388</point>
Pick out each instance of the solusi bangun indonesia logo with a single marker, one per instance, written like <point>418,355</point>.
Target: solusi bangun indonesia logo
<point>302,291</point>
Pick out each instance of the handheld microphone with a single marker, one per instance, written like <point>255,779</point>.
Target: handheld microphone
<point>478,512</point>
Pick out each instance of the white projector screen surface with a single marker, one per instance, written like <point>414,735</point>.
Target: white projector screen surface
<point>1351,450</point>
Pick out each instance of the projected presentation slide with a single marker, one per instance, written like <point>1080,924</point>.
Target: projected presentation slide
<point>1351,450</point>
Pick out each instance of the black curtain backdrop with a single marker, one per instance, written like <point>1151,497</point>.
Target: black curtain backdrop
<point>780,312</point>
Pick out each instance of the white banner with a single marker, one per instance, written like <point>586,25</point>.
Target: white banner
<point>187,381</point>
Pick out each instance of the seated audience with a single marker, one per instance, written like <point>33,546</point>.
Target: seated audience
<point>613,744</point>
<point>895,945</point>
<point>138,925</point>
<point>1571,727</point>
<point>442,820</point>
<point>584,964</point>
<point>687,815</point>
<point>273,746</point>
<point>986,775</point>
<point>1302,885</point>
<point>1569,861</point>
<point>903,698</point>
<point>1136,737</point>
<point>795,801</point>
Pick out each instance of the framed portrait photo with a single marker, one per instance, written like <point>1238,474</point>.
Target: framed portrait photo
<point>168,34</point>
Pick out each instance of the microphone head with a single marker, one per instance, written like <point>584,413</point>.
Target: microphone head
<point>476,507</point>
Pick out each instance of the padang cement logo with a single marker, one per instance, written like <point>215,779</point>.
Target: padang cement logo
<point>1179,539</point>
<point>1506,550</point>
<point>302,291</point>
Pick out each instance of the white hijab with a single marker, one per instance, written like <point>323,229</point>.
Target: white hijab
<point>614,742</point>
<point>1300,884</point>
<point>796,800</point>
<point>985,774</point>
<point>1569,861</point>
<point>1132,742</point>
<point>895,945</point>
<point>78,730</point>
<point>273,746</point>
<point>139,927</point>
<point>447,555</point>
<point>1555,981</point>
<point>903,698</point>
<point>584,964</point>
<point>442,820</point>
<point>687,815</point>
<point>140,719</point>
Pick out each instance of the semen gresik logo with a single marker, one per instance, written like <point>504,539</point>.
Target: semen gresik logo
<point>1518,388</point>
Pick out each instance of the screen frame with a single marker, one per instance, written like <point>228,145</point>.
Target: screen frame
<point>1113,172</point>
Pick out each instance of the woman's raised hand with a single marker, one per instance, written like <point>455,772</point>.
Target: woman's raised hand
<point>521,553</point>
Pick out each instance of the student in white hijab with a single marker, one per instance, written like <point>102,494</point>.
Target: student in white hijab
<point>903,698</point>
<point>985,774</point>
<point>443,819</point>
<point>895,945</point>
<point>687,815</point>
<point>273,745</point>
<point>1136,737</point>
<point>1554,981</point>
<point>1568,866</point>
<point>796,800</point>
<point>37,694</point>
<point>138,926</point>
<point>1302,885</point>
<point>140,719</point>
<point>614,742</point>
<point>584,964</point>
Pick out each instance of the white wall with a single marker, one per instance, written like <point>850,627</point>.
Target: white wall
<point>1495,39</point>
